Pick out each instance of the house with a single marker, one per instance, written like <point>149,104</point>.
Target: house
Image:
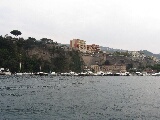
<point>114,68</point>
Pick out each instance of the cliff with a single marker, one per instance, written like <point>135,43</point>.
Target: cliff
<point>36,55</point>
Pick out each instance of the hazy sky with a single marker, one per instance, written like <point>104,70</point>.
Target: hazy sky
<point>123,24</point>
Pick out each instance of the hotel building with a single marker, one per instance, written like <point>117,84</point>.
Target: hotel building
<point>78,44</point>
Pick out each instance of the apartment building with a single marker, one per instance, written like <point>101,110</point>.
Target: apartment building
<point>78,44</point>
<point>93,48</point>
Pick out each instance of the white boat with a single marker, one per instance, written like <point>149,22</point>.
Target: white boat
<point>53,73</point>
<point>25,73</point>
<point>117,74</point>
<point>41,73</point>
<point>65,74</point>
<point>73,74</point>
<point>4,71</point>
<point>125,74</point>
<point>19,74</point>
<point>100,73</point>
<point>156,74</point>
<point>139,74</point>
<point>95,74</point>
<point>82,74</point>
<point>7,73</point>
<point>90,73</point>
<point>108,74</point>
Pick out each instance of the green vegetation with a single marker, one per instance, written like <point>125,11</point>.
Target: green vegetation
<point>117,53</point>
<point>34,54</point>
<point>156,67</point>
<point>76,64</point>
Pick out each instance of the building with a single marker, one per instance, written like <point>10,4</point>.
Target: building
<point>78,44</point>
<point>114,68</point>
<point>137,55</point>
<point>81,46</point>
<point>95,68</point>
<point>93,48</point>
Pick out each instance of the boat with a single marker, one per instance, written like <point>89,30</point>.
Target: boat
<point>73,74</point>
<point>19,74</point>
<point>117,74</point>
<point>41,73</point>
<point>125,74</point>
<point>65,74</point>
<point>108,74</point>
<point>100,73</point>
<point>90,73</point>
<point>53,73</point>
<point>4,71</point>
<point>156,74</point>
<point>139,74</point>
<point>82,74</point>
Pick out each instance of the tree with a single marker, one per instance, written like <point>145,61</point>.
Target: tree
<point>107,62</point>
<point>46,40</point>
<point>15,32</point>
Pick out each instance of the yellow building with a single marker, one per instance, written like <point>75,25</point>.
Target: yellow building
<point>95,68</point>
<point>114,68</point>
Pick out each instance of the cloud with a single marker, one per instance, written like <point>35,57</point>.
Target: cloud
<point>125,24</point>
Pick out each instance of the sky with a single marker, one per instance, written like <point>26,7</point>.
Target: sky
<point>122,24</point>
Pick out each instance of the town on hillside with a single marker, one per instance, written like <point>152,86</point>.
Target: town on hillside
<point>20,55</point>
<point>118,62</point>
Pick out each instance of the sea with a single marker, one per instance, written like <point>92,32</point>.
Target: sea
<point>79,98</point>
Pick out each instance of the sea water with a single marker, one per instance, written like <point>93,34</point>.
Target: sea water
<point>79,98</point>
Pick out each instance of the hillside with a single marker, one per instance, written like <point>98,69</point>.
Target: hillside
<point>148,53</point>
<point>37,55</point>
<point>112,50</point>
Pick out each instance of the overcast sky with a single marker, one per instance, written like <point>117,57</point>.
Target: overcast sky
<point>123,24</point>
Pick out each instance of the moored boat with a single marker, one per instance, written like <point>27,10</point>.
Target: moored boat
<point>54,73</point>
<point>156,74</point>
<point>41,74</point>
<point>4,71</point>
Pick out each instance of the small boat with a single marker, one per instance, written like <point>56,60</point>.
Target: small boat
<point>82,74</point>
<point>4,71</point>
<point>54,73</point>
<point>108,74</point>
<point>125,74</point>
<point>41,74</point>
<point>65,74</point>
<point>100,73</point>
<point>139,74</point>
<point>19,74</point>
<point>117,74</point>
<point>73,74</point>
<point>156,74</point>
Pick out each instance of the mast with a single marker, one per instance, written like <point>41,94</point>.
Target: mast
<point>20,64</point>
